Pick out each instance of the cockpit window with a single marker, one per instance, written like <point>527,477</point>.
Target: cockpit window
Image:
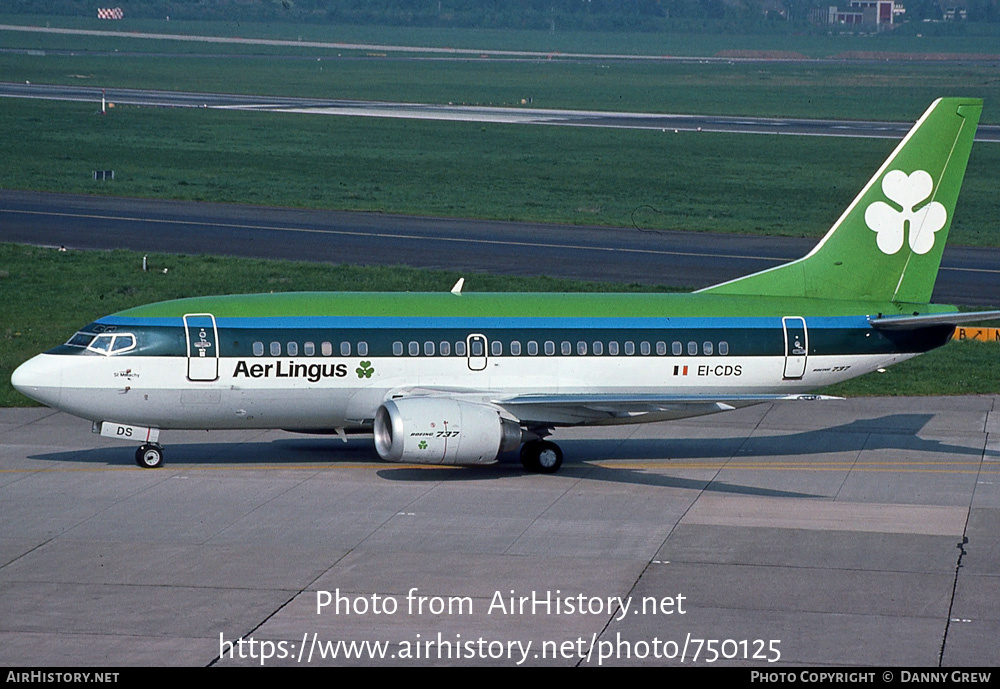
<point>123,343</point>
<point>81,339</point>
<point>101,344</point>
<point>104,344</point>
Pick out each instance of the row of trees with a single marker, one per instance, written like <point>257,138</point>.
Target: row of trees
<point>601,15</point>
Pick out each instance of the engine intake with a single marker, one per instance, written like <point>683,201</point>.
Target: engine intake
<point>438,430</point>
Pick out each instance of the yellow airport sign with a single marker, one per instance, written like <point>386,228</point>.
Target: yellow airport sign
<point>979,334</point>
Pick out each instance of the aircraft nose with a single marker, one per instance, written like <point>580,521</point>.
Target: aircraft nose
<point>39,378</point>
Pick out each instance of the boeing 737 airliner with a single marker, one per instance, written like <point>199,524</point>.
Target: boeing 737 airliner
<point>457,378</point>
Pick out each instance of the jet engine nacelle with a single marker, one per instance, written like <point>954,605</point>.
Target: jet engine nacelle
<point>438,430</point>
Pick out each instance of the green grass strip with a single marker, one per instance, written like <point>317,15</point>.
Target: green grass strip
<point>766,185</point>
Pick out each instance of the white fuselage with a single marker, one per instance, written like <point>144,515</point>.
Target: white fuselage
<point>293,393</point>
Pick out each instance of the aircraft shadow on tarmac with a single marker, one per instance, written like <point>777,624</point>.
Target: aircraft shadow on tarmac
<point>894,432</point>
<point>889,432</point>
<point>591,472</point>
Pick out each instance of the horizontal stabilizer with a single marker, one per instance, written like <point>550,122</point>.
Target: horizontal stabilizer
<point>931,319</point>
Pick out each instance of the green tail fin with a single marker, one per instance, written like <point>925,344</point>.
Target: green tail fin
<point>887,245</point>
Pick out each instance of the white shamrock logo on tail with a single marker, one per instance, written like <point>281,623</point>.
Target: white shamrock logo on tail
<point>891,224</point>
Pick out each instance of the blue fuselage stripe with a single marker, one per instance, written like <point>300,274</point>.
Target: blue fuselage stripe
<point>388,335</point>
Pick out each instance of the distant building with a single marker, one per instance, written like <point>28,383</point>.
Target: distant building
<point>954,10</point>
<point>875,14</point>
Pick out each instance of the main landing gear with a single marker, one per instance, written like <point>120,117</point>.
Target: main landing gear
<point>149,456</point>
<point>541,456</point>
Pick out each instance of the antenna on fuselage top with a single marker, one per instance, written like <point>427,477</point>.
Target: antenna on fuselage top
<point>457,289</point>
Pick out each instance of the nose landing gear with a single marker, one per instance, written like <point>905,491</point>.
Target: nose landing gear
<point>149,456</point>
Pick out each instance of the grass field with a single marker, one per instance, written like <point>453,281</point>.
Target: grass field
<point>844,89</point>
<point>713,182</point>
<point>719,183</point>
<point>980,38</point>
<point>47,295</point>
<point>829,90</point>
<point>754,184</point>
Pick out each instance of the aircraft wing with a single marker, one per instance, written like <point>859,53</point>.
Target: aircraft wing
<point>569,409</point>
<point>926,320</point>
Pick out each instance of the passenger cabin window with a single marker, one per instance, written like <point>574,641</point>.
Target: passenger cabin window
<point>532,348</point>
<point>444,346</point>
<point>496,347</point>
<point>661,349</point>
<point>309,348</point>
<point>345,349</point>
<point>724,348</point>
<point>292,348</point>
<point>258,349</point>
<point>629,348</point>
<point>397,349</point>
<point>362,349</point>
<point>550,348</point>
<point>598,348</point>
<point>644,348</point>
<point>692,349</point>
<point>460,348</point>
<point>327,349</point>
<point>676,348</point>
<point>707,348</point>
<point>566,348</point>
<point>428,348</point>
<point>414,348</point>
<point>515,348</point>
<point>275,349</point>
<point>613,348</point>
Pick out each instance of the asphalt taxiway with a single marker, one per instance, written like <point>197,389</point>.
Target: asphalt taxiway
<point>856,532</point>
<point>968,276</point>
